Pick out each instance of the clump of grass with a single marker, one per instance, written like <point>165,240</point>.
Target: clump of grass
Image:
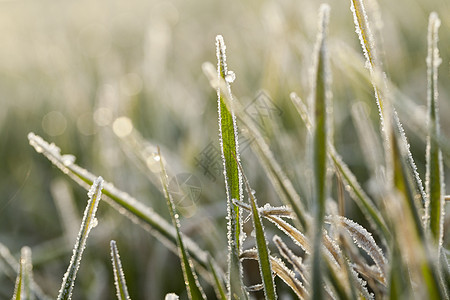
<point>331,255</point>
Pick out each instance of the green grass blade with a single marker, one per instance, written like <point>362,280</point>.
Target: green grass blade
<point>119,200</point>
<point>24,282</point>
<point>89,221</point>
<point>218,287</point>
<point>435,174</point>
<point>320,104</point>
<point>119,276</point>
<point>11,267</point>
<point>419,259</point>
<point>379,84</point>
<point>190,277</point>
<point>282,184</point>
<point>265,266</point>
<point>228,136</point>
<point>371,212</point>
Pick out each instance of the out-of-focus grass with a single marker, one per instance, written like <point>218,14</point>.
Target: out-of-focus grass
<point>62,63</point>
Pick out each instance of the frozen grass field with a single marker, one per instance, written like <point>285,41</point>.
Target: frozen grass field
<point>142,94</point>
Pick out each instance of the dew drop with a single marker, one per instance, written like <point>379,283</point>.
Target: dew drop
<point>230,77</point>
<point>68,159</point>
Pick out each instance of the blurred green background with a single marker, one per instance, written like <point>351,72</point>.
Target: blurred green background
<point>69,69</point>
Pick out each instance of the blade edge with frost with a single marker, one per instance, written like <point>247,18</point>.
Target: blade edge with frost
<point>119,276</point>
<point>89,221</point>
<point>190,277</point>
<point>119,200</point>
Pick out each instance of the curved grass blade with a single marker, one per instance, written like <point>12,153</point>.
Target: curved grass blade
<point>294,260</point>
<point>282,184</point>
<point>119,200</point>
<point>119,276</point>
<point>89,221</point>
<point>357,193</point>
<point>229,147</point>
<point>435,175</point>
<point>265,266</point>
<point>23,288</point>
<point>320,106</point>
<point>280,270</point>
<point>190,277</point>
<point>368,45</point>
<point>364,240</point>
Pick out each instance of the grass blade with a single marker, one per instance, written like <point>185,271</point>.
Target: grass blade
<point>406,210</point>
<point>294,260</point>
<point>364,240</point>
<point>357,193</point>
<point>435,174</point>
<point>265,266</point>
<point>228,136</point>
<point>8,260</point>
<point>280,270</point>
<point>119,200</point>
<point>368,45</point>
<point>190,277</point>
<point>119,276</point>
<point>320,105</point>
<point>23,288</point>
<point>219,288</point>
<point>89,221</point>
<point>282,184</point>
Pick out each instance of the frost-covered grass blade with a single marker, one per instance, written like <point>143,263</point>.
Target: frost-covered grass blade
<point>379,83</point>
<point>356,191</point>
<point>190,277</point>
<point>229,147</point>
<point>281,182</point>
<point>119,200</point>
<point>420,262</point>
<point>280,270</point>
<point>265,266</point>
<point>435,176</point>
<point>23,288</point>
<point>364,240</point>
<point>119,276</point>
<point>320,106</point>
<point>89,221</point>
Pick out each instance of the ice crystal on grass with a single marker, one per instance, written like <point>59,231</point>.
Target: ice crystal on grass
<point>119,276</point>
<point>94,195</point>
